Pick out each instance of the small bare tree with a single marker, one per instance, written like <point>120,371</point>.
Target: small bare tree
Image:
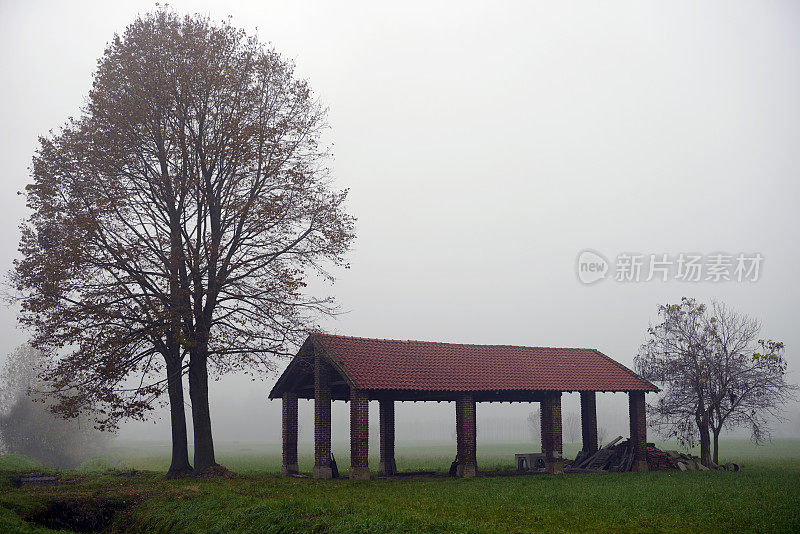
<point>716,373</point>
<point>534,425</point>
<point>572,427</point>
<point>27,424</point>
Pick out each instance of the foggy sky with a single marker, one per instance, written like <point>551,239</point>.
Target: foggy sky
<point>484,146</point>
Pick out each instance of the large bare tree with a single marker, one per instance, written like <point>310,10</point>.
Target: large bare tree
<point>715,373</point>
<point>175,221</point>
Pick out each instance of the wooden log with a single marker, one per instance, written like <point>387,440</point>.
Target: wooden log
<point>591,458</point>
<point>629,461</point>
<point>601,460</point>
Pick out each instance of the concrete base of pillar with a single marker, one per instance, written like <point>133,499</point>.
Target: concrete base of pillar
<point>323,472</point>
<point>287,470</point>
<point>467,470</point>
<point>387,468</point>
<point>640,465</point>
<point>359,473</point>
<point>554,467</point>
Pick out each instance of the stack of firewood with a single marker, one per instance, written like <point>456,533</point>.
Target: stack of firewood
<point>618,457</point>
<point>658,460</point>
<point>612,457</point>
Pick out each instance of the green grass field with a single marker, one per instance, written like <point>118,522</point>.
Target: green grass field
<point>764,496</point>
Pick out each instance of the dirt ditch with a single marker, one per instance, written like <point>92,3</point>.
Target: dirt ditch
<point>79,514</point>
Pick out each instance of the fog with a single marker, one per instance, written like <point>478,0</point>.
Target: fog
<point>485,146</point>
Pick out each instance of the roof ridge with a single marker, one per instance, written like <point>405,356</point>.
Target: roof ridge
<point>387,340</point>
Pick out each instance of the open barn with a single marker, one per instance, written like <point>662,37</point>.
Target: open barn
<point>359,370</point>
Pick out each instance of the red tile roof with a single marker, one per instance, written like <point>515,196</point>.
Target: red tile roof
<point>375,364</point>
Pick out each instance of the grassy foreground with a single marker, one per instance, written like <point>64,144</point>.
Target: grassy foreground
<point>764,496</point>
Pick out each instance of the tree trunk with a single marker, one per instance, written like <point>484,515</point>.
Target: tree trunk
<point>716,445</point>
<point>201,416</point>
<point>179,465</point>
<point>705,441</point>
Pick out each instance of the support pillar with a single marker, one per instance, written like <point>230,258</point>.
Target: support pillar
<point>359,434</point>
<point>466,432</point>
<point>387,464</point>
<point>638,415</point>
<point>322,419</point>
<point>589,421</point>
<point>289,466</point>
<point>551,432</point>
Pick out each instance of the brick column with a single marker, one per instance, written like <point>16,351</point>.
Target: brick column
<point>589,421</point>
<point>322,419</point>
<point>636,408</point>
<point>289,434</point>
<point>387,465</point>
<point>551,432</point>
<point>466,432</point>
<point>359,434</point>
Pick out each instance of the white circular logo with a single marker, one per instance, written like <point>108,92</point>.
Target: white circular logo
<point>591,267</point>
